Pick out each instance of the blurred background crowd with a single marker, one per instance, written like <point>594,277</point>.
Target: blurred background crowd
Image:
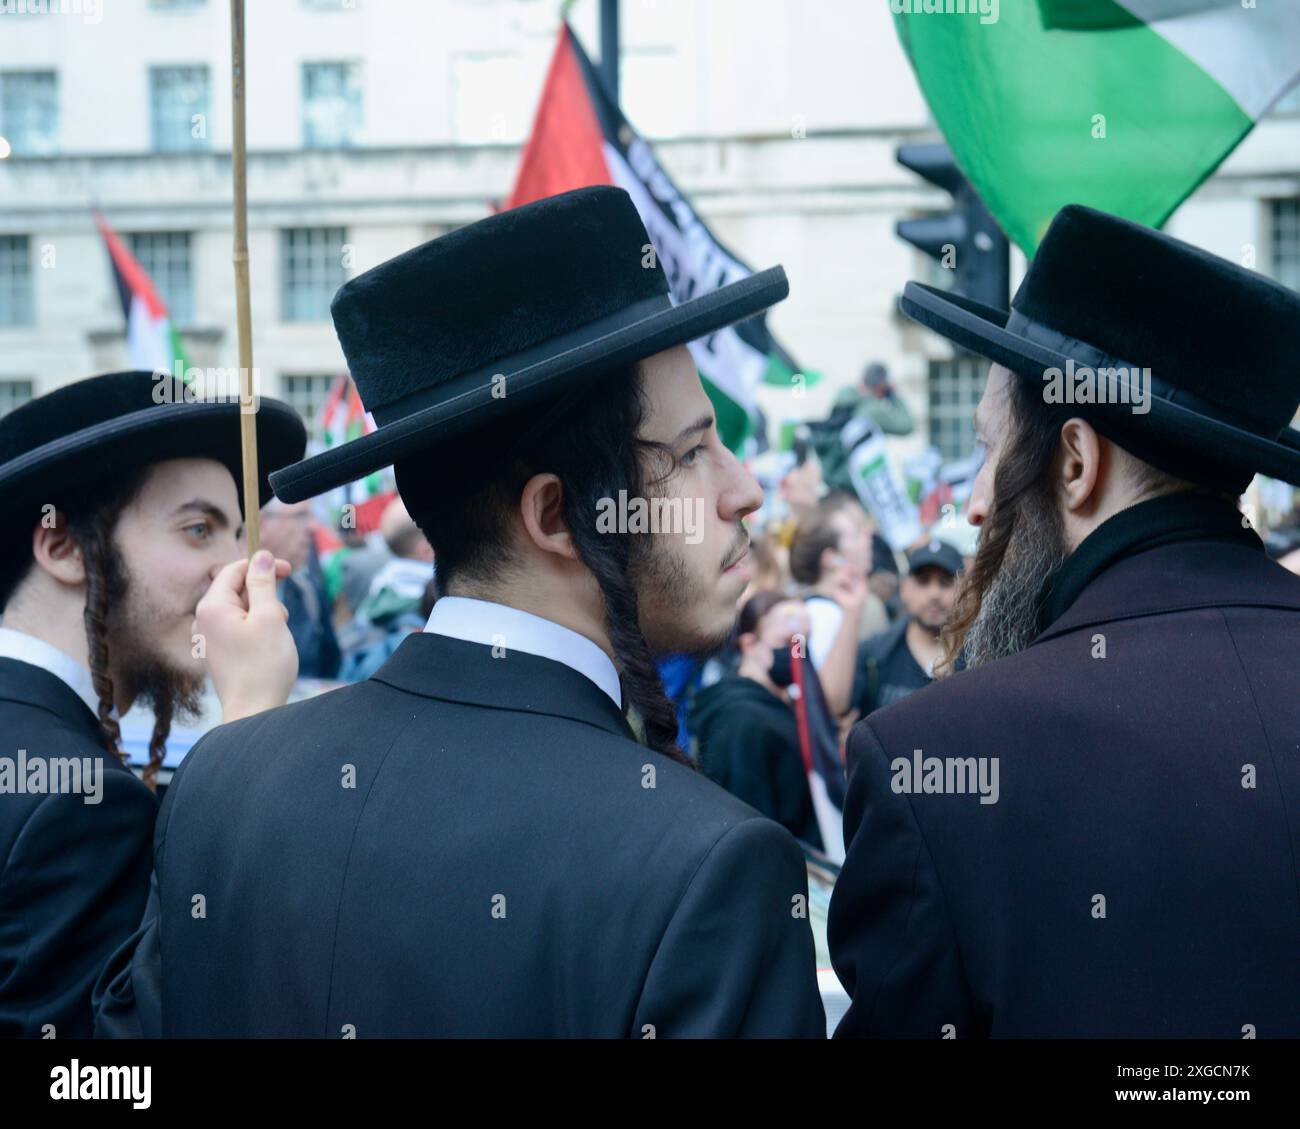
<point>835,622</point>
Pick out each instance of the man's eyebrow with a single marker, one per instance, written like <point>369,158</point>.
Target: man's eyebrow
<point>203,506</point>
<point>702,424</point>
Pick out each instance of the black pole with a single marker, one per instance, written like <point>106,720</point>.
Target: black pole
<point>609,46</point>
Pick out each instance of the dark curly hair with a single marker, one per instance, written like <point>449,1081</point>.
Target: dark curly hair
<point>462,493</point>
<point>92,517</point>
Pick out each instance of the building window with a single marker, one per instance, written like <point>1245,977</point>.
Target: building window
<point>29,112</point>
<point>307,395</point>
<point>955,388</point>
<point>1286,242</point>
<point>13,394</point>
<point>179,98</point>
<point>311,270</point>
<point>165,257</point>
<point>15,280</point>
<point>331,105</point>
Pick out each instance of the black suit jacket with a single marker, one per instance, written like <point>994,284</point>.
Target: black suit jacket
<point>461,845</point>
<point>1121,777</point>
<point>75,875</point>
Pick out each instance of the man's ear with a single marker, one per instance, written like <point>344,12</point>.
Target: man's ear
<point>1079,467</point>
<point>56,551</point>
<point>541,508</point>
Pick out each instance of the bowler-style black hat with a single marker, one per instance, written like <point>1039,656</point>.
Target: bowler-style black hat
<point>502,314</point>
<point>61,446</point>
<point>1219,341</point>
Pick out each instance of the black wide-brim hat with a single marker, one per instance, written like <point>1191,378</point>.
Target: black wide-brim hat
<point>501,314</point>
<point>69,443</point>
<point>1221,343</point>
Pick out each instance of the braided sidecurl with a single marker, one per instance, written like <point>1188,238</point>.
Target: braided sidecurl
<point>91,526</point>
<point>592,446</point>
<point>612,559</point>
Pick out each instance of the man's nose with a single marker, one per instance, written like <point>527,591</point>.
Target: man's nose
<point>227,550</point>
<point>742,495</point>
<point>218,565</point>
<point>977,507</point>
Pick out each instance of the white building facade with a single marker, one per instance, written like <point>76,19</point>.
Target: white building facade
<point>374,125</point>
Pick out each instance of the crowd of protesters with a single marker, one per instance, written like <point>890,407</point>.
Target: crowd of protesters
<point>827,632</point>
<point>833,626</point>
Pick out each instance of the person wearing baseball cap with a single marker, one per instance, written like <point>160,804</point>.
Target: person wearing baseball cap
<point>902,659</point>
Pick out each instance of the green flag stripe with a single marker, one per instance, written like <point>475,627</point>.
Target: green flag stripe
<point>1019,104</point>
<point>178,349</point>
<point>733,421</point>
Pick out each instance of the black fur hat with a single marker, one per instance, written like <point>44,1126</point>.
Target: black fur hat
<point>503,313</point>
<point>1219,341</point>
<point>55,448</point>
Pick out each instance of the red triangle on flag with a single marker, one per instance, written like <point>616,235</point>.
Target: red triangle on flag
<point>566,147</point>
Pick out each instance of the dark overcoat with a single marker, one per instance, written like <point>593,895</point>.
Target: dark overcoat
<point>1137,874</point>
<point>74,875</point>
<point>464,845</point>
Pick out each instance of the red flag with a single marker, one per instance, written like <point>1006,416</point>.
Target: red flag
<point>580,138</point>
<point>566,147</point>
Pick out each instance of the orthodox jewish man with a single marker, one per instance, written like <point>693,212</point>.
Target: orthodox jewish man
<point>1092,830</point>
<point>496,835</point>
<point>122,511</point>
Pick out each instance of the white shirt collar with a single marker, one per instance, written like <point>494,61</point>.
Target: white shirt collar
<point>29,649</point>
<point>482,621</point>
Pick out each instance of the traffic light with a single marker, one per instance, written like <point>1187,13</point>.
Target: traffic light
<point>967,239</point>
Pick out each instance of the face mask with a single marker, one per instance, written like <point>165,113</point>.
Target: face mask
<point>781,672</point>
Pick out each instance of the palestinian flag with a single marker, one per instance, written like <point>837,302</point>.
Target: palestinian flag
<point>343,419</point>
<point>1123,105</point>
<point>152,342</point>
<point>579,138</point>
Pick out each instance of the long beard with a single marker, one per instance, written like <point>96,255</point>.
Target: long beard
<point>1008,617</point>
<point>148,675</point>
<point>172,694</point>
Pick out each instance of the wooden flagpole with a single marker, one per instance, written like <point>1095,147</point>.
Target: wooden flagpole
<point>243,308</point>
